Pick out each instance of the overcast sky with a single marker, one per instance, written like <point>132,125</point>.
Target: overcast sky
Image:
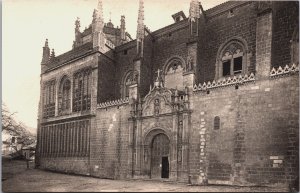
<point>27,23</point>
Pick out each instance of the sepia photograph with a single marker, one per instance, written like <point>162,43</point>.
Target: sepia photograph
<point>150,96</point>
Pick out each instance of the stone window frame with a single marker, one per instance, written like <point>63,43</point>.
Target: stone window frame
<point>49,98</point>
<point>170,61</point>
<point>82,81</point>
<point>217,123</point>
<point>125,83</point>
<point>61,97</point>
<point>221,57</point>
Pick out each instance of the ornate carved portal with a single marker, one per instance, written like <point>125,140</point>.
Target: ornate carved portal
<point>160,156</point>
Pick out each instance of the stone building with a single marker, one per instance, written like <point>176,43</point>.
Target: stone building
<point>211,99</point>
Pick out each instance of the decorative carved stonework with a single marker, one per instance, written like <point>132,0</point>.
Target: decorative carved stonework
<point>179,144</point>
<point>156,107</point>
<point>189,64</point>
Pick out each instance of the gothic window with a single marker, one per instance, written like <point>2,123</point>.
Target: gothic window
<point>82,90</point>
<point>173,73</point>
<point>295,47</point>
<point>49,99</point>
<point>232,60</point>
<point>217,123</point>
<point>64,96</point>
<point>127,80</point>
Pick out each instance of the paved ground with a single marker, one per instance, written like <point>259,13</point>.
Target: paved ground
<point>34,180</point>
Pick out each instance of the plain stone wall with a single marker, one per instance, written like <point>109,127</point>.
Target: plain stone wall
<point>109,143</point>
<point>285,21</point>
<point>70,165</point>
<point>256,142</point>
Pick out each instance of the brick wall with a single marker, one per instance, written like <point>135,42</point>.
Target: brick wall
<point>146,68</point>
<point>106,79</point>
<point>124,63</point>
<point>217,30</point>
<point>168,45</point>
<point>256,140</point>
<point>285,20</point>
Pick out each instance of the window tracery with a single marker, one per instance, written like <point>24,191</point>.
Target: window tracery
<point>232,60</point>
<point>64,96</point>
<point>81,90</point>
<point>49,99</point>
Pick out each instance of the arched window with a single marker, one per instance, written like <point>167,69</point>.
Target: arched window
<point>231,59</point>
<point>217,123</point>
<point>49,96</point>
<point>64,96</point>
<point>295,47</point>
<point>126,82</point>
<point>173,73</point>
<point>82,90</point>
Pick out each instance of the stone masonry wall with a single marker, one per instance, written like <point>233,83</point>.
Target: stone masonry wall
<point>168,45</point>
<point>109,143</point>
<point>219,29</point>
<point>106,79</point>
<point>71,165</point>
<point>124,63</point>
<point>256,142</point>
<point>285,21</point>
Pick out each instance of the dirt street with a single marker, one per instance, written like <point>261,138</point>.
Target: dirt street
<point>34,180</point>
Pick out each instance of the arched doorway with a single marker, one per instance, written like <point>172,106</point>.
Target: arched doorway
<point>160,156</point>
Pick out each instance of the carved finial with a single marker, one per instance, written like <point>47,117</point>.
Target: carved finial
<point>186,90</point>
<point>100,10</point>
<point>52,54</point>
<point>194,9</point>
<point>123,33</point>
<point>159,81</point>
<point>95,15</point>
<point>46,53</point>
<point>46,44</point>
<point>77,24</point>
<point>140,27</point>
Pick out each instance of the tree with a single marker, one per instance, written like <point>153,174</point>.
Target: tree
<point>20,135</point>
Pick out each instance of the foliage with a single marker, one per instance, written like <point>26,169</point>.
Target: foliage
<point>22,137</point>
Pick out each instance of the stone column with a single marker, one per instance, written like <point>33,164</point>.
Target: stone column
<point>130,148</point>
<point>174,151</point>
<point>139,147</point>
<point>185,146</point>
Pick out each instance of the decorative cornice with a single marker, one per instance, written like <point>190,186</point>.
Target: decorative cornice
<point>287,70</point>
<point>230,81</point>
<point>117,102</point>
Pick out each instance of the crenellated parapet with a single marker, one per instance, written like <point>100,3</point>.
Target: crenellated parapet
<point>287,70</point>
<point>230,81</point>
<point>117,102</point>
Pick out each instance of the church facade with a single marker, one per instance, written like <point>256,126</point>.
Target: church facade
<point>211,99</point>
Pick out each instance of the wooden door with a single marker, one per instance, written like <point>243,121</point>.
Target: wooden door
<point>160,156</point>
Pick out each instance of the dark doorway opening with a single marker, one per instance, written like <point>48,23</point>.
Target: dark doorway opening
<point>165,167</point>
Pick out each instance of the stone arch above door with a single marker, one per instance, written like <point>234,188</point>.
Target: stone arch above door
<point>157,150</point>
<point>148,137</point>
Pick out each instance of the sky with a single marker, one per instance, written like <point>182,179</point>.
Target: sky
<point>27,23</point>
